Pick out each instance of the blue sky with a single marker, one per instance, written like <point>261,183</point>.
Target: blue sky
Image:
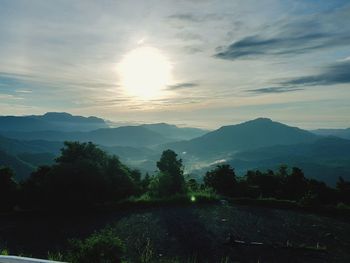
<point>231,60</point>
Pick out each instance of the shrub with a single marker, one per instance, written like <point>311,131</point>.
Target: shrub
<point>222,179</point>
<point>343,206</point>
<point>102,247</point>
<point>170,179</point>
<point>309,200</point>
<point>4,252</point>
<point>8,188</point>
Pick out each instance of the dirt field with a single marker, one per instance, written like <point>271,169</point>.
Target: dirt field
<point>194,231</point>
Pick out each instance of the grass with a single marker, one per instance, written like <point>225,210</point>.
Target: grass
<point>4,252</point>
<point>55,256</point>
<point>199,197</point>
<point>342,206</point>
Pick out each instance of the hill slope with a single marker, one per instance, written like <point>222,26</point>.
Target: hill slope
<point>325,160</point>
<point>21,168</point>
<point>174,132</point>
<point>24,156</point>
<point>245,136</point>
<point>14,146</point>
<point>135,136</point>
<point>341,133</point>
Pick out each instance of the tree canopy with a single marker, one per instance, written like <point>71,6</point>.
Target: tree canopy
<point>222,179</point>
<point>83,175</point>
<point>7,188</point>
<point>170,179</point>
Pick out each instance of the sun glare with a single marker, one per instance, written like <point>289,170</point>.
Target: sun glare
<point>144,72</point>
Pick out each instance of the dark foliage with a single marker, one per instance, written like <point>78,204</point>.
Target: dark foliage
<point>103,247</point>
<point>170,179</point>
<point>344,190</point>
<point>82,176</point>
<point>8,187</point>
<point>284,184</point>
<point>222,179</point>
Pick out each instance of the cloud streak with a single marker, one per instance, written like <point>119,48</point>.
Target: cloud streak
<point>338,73</point>
<point>184,85</point>
<point>335,74</point>
<point>288,38</point>
<point>271,90</point>
<point>257,46</point>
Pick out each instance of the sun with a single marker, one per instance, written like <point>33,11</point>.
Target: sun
<point>145,72</point>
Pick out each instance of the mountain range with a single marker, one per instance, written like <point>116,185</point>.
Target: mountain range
<point>341,133</point>
<point>325,159</point>
<point>253,134</point>
<point>29,141</point>
<point>53,121</point>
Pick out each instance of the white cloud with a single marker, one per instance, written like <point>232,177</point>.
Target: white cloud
<point>65,53</point>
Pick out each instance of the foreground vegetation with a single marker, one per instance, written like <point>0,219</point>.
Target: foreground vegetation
<point>85,178</point>
<point>200,233</point>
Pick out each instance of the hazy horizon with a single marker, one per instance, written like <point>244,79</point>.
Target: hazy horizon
<point>194,63</point>
<point>116,123</point>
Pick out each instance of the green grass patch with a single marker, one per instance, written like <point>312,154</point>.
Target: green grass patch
<point>146,200</point>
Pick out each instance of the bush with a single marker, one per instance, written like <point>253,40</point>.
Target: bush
<point>102,247</point>
<point>342,206</point>
<point>8,189</point>
<point>222,179</point>
<point>170,179</point>
<point>4,252</point>
<point>309,200</point>
<point>82,177</point>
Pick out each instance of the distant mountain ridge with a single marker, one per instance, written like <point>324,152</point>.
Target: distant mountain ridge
<point>175,132</point>
<point>24,156</point>
<point>61,126</point>
<point>261,132</point>
<point>325,159</point>
<point>260,143</point>
<point>14,146</point>
<point>21,168</point>
<point>51,121</point>
<point>134,136</point>
<point>341,133</point>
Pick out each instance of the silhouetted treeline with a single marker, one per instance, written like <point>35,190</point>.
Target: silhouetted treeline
<point>286,184</point>
<point>84,176</point>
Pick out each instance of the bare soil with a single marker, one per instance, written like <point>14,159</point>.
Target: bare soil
<point>208,233</point>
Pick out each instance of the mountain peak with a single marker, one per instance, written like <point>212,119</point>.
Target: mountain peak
<point>54,113</point>
<point>64,116</point>
<point>257,133</point>
<point>261,119</point>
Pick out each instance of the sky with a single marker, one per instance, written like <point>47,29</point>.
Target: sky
<point>230,61</point>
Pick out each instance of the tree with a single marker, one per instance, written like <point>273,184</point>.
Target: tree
<point>170,179</point>
<point>8,187</point>
<point>192,185</point>
<point>295,186</point>
<point>265,184</point>
<point>35,190</point>
<point>343,188</point>
<point>222,179</point>
<point>145,183</point>
<point>82,176</point>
